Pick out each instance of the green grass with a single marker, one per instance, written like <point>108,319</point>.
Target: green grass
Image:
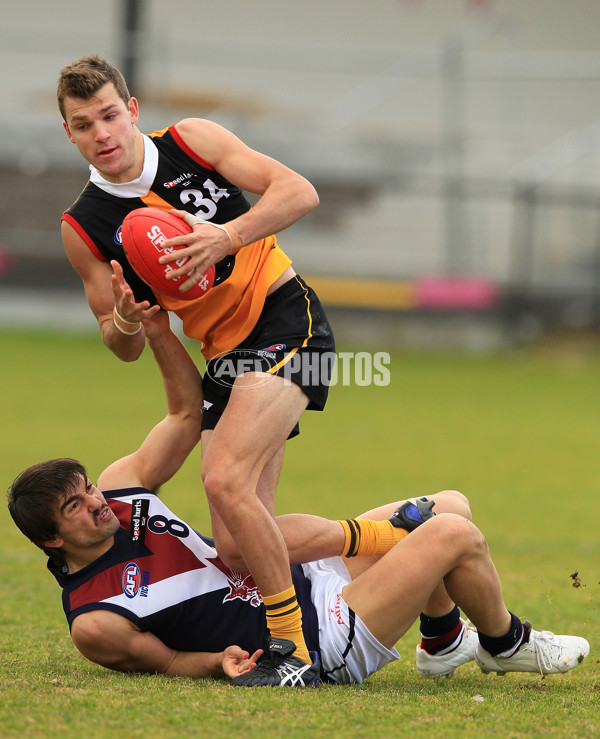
<point>518,433</point>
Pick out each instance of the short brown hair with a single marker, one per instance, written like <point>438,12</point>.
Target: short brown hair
<point>33,496</point>
<point>85,76</point>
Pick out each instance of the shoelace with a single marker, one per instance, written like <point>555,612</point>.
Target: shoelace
<point>544,643</point>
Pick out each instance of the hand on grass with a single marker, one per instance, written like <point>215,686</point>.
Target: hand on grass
<point>237,661</point>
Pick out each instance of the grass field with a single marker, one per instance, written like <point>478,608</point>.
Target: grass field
<point>518,433</point>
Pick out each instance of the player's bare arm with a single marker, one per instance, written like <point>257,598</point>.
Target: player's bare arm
<point>103,295</point>
<point>285,196</point>
<point>169,443</point>
<point>112,641</point>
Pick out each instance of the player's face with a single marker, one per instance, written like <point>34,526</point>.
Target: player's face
<point>103,129</point>
<point>85,522</point>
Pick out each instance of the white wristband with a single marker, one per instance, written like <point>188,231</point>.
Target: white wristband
<point>120,317</point>
<point>128,333</point>
<point>125,323</point>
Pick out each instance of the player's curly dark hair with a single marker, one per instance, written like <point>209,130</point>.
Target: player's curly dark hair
<point>34,495</point>
<point>85,76</point>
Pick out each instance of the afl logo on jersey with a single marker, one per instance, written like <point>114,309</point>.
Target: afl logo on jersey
<point>131,580</point>
<point>118,237</point>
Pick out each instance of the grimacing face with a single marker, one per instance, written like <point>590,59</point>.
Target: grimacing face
<point>84,522</point>
<point>103,129</point>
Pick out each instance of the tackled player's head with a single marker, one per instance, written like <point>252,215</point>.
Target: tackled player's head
<point>85,76</point>
<point>34,495</point>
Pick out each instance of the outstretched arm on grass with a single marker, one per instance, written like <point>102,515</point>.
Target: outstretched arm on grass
<point>113,641</point>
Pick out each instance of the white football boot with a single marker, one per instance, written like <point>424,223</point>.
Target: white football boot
<point>544,653</point>
<point>440,665</point>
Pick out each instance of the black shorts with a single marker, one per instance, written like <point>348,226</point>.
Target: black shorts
<point>292,338</point>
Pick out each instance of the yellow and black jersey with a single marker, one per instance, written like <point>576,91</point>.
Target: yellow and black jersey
<point>174,176</point>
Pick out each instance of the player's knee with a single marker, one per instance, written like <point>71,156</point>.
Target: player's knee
<point>456,502</point>
<point>219,483</point>
<point>459,535</point>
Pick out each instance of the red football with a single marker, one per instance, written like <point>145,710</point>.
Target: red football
<point>144,231</point>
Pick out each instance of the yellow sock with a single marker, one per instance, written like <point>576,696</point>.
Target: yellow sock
<point>365,538</point>
<point>284,620</point>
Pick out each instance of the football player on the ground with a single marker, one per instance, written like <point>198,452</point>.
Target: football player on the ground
<point>143,591</point>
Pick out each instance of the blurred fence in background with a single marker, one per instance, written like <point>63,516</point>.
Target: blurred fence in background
<point>455,146</point>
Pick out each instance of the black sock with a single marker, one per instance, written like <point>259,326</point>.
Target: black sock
<point>509,642</point>
<point>441,633</point>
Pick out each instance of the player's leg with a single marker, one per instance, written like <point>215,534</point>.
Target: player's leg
<point>450,548</point>
<point>309,537</point>
<point>446,501</point>
<point>261,412</point>
<point>265,491</point>
<point>391,594</point>
<point>450,641</point>
<point>249,435</point>
<point>447,641</point>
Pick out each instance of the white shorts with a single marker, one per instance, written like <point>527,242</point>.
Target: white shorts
<point>349,652</point>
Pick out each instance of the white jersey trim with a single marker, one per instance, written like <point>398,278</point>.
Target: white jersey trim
<point>171,592</point>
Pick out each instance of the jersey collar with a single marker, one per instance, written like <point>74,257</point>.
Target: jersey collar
<point>134,188</point>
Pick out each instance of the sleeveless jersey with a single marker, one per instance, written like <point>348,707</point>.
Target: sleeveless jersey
<point>174,176</point>
<point>167,578</point>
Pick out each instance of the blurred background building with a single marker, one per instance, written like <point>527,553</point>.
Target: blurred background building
<point>455,145</point>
